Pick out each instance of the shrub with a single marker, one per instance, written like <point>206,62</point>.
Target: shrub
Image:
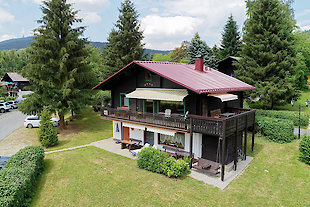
<point>47,134</point>
<point>304,149</point>
<point>277,130</point>
<point>160,162</point>
<point>19,176</point>
<point>288,115</point>
<point>9,98</point>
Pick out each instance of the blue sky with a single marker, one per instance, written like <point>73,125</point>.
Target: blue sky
<point>166,23</point>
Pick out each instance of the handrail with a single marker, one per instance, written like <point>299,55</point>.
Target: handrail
<point>201,124</point>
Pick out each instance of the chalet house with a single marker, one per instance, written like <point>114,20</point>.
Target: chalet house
<point>14,83</point>
<point>226,65</point>
<point>184,107</point>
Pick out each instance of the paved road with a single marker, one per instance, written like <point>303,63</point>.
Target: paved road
<point>10,121</point>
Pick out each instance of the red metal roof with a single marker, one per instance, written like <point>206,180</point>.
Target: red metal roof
<point>208,81</point>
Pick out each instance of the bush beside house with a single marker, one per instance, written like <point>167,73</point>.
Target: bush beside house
<point>277,130</point>
<point>19,176</point>
<point>304,149</point>
<point>160,162</point>
<point>286,115</point>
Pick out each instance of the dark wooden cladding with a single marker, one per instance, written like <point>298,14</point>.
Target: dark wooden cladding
<point>200,124</point>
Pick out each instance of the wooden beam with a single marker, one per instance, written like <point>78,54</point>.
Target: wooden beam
<point>223,151</point>
<point>236,146</point>
<point>253,133</point>
<point>245,137</point>
<point>191,140</point>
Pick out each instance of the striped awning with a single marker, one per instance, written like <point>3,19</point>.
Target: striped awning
<point>158,94</point>
<point>224,96</point>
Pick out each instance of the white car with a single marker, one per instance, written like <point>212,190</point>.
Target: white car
<point>34,121</point>
<point>4,107</point>
<point>13,104</point>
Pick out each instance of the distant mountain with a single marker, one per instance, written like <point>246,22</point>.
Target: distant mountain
<point>21,43</point>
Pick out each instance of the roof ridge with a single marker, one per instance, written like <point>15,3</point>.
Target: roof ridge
<point>160,62</point>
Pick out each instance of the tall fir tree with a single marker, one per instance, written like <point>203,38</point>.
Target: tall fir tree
<point>125,42</point>
<point>58,71</point>
<point>199,48</point>
<point>230,44</point>
<point>268,59</point>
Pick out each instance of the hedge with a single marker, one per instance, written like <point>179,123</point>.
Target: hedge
<point>287,115</point>
<point>304,149</point>
<point>160,162</point>
<point>19,176</point>
<point>277,130</point>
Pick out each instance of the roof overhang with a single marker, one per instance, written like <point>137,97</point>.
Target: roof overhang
<point>225,96</point>
<point>158,94</point>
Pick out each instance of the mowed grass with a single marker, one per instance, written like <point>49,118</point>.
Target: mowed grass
<point>85,128</point>
<point>93,177</point>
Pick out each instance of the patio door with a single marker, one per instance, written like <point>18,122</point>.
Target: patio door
<point>210,148</point>
<point>126,133</point>
<point>149,137</point>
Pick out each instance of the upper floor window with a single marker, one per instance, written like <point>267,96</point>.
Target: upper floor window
<point>148,76</point>
<point>124,102</point>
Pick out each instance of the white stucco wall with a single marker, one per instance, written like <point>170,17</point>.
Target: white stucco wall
<point>197,144</point>
<point>136,134</point>
<point>117,135</point>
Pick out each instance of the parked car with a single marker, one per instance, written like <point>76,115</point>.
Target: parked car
<point>4,107</point>
<point>34,121</point>
<point>14,104</point>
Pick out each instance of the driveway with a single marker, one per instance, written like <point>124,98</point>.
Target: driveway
<point>10,121</point>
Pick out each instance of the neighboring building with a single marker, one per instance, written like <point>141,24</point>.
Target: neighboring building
<point>14,83</point>
<point>226,65</point>
<point>182,106</point>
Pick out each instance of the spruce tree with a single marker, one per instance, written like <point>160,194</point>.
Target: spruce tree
<point>230,44</point>
<point>58,70</point>
<point>268,57</point>
<point>198,48</point>
<point>47,134</point>
<point>125,41</point>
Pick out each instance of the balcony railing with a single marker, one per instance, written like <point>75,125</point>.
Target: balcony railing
<point>241,119</point>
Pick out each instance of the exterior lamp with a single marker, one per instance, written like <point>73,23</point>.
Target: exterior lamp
<point>307,103</point>
<point>299,107</point>
<point>292,102</point>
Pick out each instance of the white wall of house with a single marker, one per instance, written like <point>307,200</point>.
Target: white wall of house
<point>137,134</point>
<point>197,145</point>
<point>117,134</point>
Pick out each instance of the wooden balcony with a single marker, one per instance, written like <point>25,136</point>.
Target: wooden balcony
<point>239,120</point>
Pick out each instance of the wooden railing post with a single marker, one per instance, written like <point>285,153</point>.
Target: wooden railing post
<point>223,151</point>
<point>245,137</point>
<point>191,140</point>
<point>253,134</point>
<point>235,146</point>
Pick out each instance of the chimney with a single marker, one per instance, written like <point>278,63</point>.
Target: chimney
<point>199,64</point>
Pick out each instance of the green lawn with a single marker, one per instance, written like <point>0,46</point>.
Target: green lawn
<point>87,127</point>
<point>94,177</point>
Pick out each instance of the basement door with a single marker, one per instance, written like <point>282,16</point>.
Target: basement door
<point>126,133</point>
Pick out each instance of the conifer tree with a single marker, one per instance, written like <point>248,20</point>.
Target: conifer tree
<point>268,58</point>
<point>47,134</point>
<point>230,43</point>
<point>198,48</point>
<point>125,42</point>
<point>58,70</point>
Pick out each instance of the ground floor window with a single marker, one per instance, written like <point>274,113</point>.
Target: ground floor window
<point>178,140</point>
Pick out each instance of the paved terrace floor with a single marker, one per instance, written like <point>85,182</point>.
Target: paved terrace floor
<point>111,146</point>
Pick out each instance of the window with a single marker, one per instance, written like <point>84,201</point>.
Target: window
<point>124,102</point>
<point>148,76</point>
<point>178,140</point>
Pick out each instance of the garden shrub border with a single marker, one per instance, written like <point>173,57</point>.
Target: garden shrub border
<point>286,115</point>
<point>19,176</point>
<point>304,150</point>
<point>277,130</point>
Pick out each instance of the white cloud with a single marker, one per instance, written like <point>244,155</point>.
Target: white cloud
<point>89,10</point>
<point>5,16</point>
<point>6,37</point>
<point>179,20</point>
<point>304,28</point>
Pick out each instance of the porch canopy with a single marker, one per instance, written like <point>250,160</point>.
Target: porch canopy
<point>158,94</point>
<point>224,96</point>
